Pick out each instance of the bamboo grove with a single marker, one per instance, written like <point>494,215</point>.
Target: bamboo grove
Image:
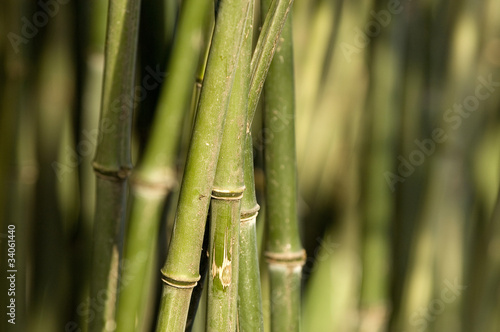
<point>249,165</point>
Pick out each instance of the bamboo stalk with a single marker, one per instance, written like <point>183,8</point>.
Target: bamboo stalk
<point>18,169</point>
<point>264,51</point>
<point>197,294</point>
<point>180,272</point>
<point>226,199</point>
<point>375,199</point>
<point>249,291</point>
<point>284,253</point>
<point>156,174</point>
<point>112,162</point>
<point>198,290</point>
<point>223,264</point>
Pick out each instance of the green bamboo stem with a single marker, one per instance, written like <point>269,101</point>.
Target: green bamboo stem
<point>284,253</point>
<point>250,301</point>
<point>223,264</point>
<point>156,176</point>
<point>112,162</point>
<point>375,200</point>
<point>198,84</point>
<point>139,255</point>
<point>249,291</point>
<point>226,200</point>
<point>198,290</point>
<point>180,272</point>
<point>264,51</point>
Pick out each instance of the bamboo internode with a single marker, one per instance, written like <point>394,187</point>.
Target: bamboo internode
<point>284,254</point>
<point>112,163</point>
<point>287,258</point>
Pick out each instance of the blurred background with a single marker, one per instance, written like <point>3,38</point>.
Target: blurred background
<point>398,148</point>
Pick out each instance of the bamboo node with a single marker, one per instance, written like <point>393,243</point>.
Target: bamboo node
<point>111,174</point>
<point>182,284</point>
<point>247,218</point>
<point>160,188</point>
<point>199,82</point>
<point>249,214</point>
<point>228,195</point>
<point>288,258</point>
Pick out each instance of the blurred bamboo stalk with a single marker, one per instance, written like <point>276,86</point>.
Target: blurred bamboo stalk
<point>376,201</point>
<point>329,164</point>
<point>284,252</point>
<point>112,163</point>
<point>480,303</point>
<point>155,175</point>
<point>407,93</point>
<point>18,166</point>
<point>56,199</point>
<point>156,37</point>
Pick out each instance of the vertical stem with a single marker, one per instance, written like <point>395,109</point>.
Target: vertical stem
<point>198,290</point>
<point>197,294</point>
<point>223,264</point>
<point>155,175</point>
<point>277,13</point>
<point>375,200</point>
<point>226,200</point>
<point>112,162</point>
<point>18,169</point>
<point>249,290</point>
<point>181,269</point>
<point>284,250</point>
